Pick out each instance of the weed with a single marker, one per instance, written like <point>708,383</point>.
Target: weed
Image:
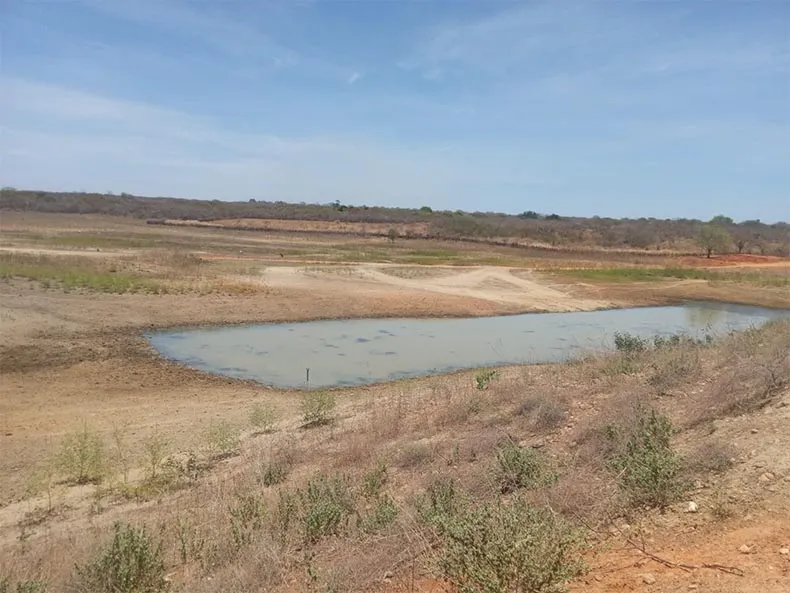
<point>714,456</point>
<point>672,365</point>
<point>374,480</point>
<point>384,512</point>
<point>441,500</point>
<point>415,454</point>
<point>82,457</point>
<point>648,467</point>
<point>262,417</point>
<point>132,563</point>
<point>318,407</point>
<point>275,472</point>
<point>326,505</point>
<point>121,453</point>
<point>508,547</point>
<point>23,586</point>
<point>286,514</point>
<point>222,439</point>
<point>155,447</point>
<point>484,378</point>
<point>520,467</point>
<point>246,517</point>
<point>190,543</point>
<point>720,506</point>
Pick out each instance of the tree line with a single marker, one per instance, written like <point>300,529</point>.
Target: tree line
<point>721,234</point>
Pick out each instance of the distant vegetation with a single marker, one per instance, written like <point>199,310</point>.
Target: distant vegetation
<point>719,235</point>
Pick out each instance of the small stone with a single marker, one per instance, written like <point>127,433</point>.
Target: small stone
<point>766,477</point>
<point>693,586</point>
<point>692,507</point>
<point>784,551</point>
<point>755,431</point>
<point>745,549</point>
<point>388,575</point>
<point>648,578</point>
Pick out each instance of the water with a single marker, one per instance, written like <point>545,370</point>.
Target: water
<point>363,351</point>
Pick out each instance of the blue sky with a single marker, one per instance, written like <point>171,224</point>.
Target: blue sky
<point>614,108</point>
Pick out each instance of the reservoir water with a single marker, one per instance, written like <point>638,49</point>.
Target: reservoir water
<point>364,351</point>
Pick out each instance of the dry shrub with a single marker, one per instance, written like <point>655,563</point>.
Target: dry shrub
<point>711,457</point>
<point>672,367</point>
<point>416,454</point>
<point>584,493</point>
<point>546,411</point>
<point>753,367</point>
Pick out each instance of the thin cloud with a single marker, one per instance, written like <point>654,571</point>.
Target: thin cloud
<point>355,76</point>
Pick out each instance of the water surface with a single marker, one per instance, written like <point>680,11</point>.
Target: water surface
<point>362,351</point>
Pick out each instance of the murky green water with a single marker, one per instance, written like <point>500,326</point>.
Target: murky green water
<point>372,350</point>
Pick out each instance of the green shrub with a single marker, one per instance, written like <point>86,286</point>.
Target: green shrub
<point>132,563</point>
<point>484,378</point>
<point>82,457</point>
<point>508,547</point>
<point>222,439</point>
<point>374,481</point>
<point>246,517</point>
<point>384,512</point>
<point>326,506</point>
<point>647,466</point>
<point>318,407</point>
<point>440,500</point>
<point>520,467</point>
<point>262,417</point>
<point>629,343</point>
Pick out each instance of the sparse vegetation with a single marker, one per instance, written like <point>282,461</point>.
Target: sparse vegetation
<point>82,457</point>
<point>484,378</point>
<point>262,417</point>
<point>326,506</point>
<point>508,546</point>
<point>648,468</point>
<point>318,407</point>
<point>520,467</point>
<point>133,562</point>
<point>222,439</point>
<point>337,508</point>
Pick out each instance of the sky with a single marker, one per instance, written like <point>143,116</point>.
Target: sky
<point>611,107</point>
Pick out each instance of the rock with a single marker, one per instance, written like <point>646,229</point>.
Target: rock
<point>388,576</point>
<point>692,507</point>
<point>766,477</point>
<point>693,586</point>
<point>648,578</point>
<point>755,431</point>
<point>745,549</point>
<point>784,551</point>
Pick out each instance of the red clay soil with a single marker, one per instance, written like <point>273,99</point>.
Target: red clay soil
<point>734,260</point>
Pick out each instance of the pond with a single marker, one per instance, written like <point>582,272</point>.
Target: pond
<point>364,351</point>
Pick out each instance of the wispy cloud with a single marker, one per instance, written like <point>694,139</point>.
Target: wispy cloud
<point>189,155</point>
<point>355,76</point>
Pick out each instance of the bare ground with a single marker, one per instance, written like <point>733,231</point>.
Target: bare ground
<point>71,357</point>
